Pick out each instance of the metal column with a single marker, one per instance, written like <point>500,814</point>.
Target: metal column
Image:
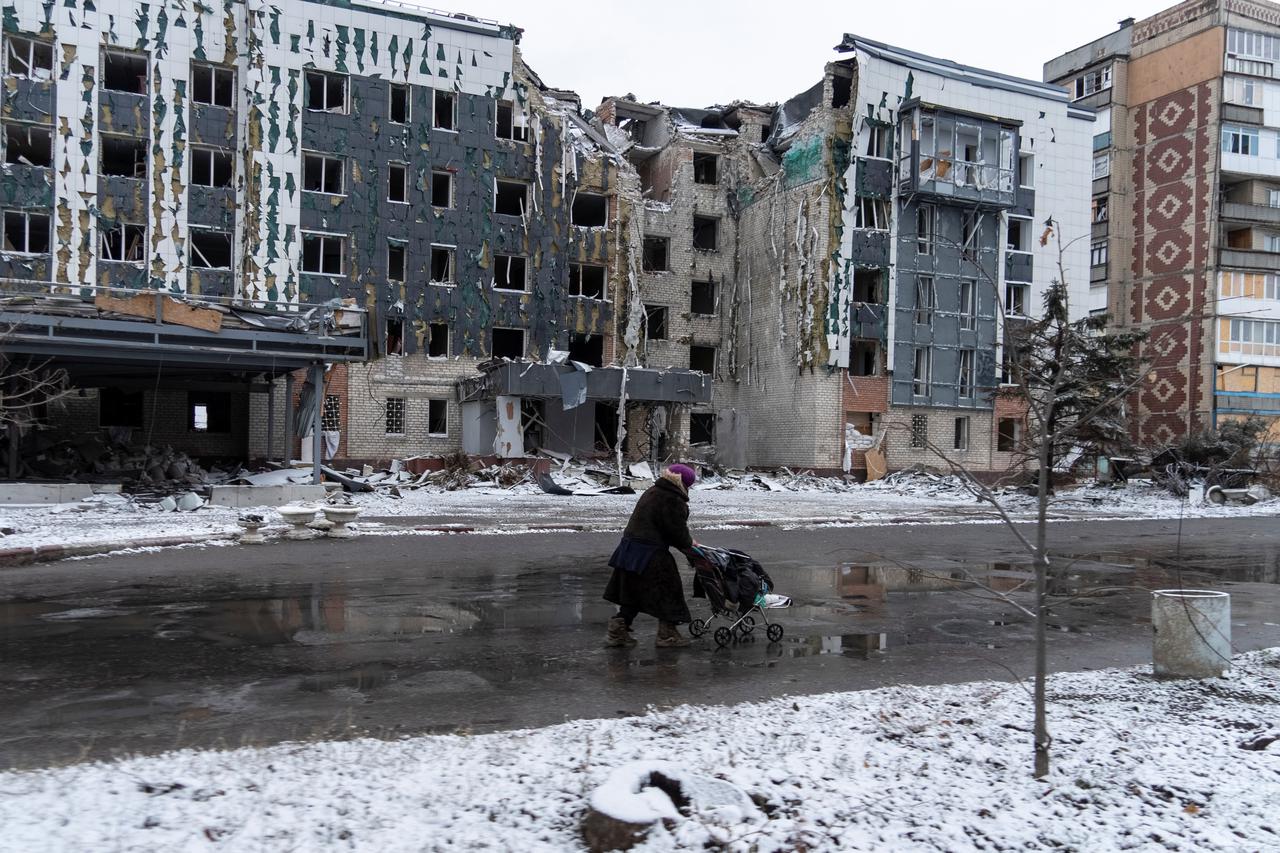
<point>317,440</point>
<point>271,419</point>
<point>288,420</point>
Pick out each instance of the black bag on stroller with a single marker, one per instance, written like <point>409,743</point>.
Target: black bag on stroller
<point>744,577</point>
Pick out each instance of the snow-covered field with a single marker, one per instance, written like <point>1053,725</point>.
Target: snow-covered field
<point>113,519</point>
<point>1139,764</point>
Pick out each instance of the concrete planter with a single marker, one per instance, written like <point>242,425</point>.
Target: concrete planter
<point>250,534</point>
<point>340,517</point>
<point>298,517</point>
<point>1192,633</point>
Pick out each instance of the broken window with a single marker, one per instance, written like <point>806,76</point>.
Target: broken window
<point>702,428</point>
<point>880,141</point>
<point>926,227</point>
<point>26,233</point>
<point>213,85</point>
<point>29,58</point>
<point>442,266</point>
<point>960,439</point>
<point>655,254</point>
<point>123,156</point>
<point>1015,298</point>
<point>322,253</point>
<point>588,349</point>
<point>442,189</point>
<point>331,415</point>
<point>967,376</point>
<point>872,214</point>
<point>509,198</point>
<point>211,167</point>
<point>438,340</point>
<point>606,426</point>
<point>209,411</point>
<point>919,430</point>
<point>210,249</point>
<point>395,262</point>
<point>864,358</point>
<point>968,303</point>
<point>1008,435</point>
<point>119,408</point>
<point>1101,214</point>
<point>866,286</point>
<point>702,297</point>
<point>326,93</point>
<point>926,300</point>
<point>655,323</point>
<point>509,272</point>
<point>393,413</point>
<point>398,183</point>
<point>1092,82</point>
<point>122,242</point>
<point>706,233</point>
<point>705,168</point>
<point>586,280</point>
<point>124,72</point>
<point>437,417</point>
<point>533,420</point>
<point>703,359</point>
<point>590,210</point>
<point>922,371</point>
<point>1019,238</point>
<point>971,233</point>
<point>510,123</point>
<point>1027,170</point>
<point>30,145</point>
<point>398,108</point>
<point>508,343</point>
<point>445,106</point>
<point>395,336</point>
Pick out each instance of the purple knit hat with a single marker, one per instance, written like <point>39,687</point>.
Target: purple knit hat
<point>687,475</point>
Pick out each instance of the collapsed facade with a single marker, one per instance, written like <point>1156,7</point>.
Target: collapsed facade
<point>1186,207</point>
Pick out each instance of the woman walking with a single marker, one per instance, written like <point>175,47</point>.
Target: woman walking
<point>645,578</point>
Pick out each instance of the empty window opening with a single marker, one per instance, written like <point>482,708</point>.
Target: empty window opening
<point>211,167</point>
<point>533,420</point>
<point>29,58</point>
<point>703,359</point>
<point>395,262</point>
<point>606,426</point>
<point>971,234</point>
<point>866,286</point>
<point>398,183</point>
<point>922,371</point>
<point>438,340</point>
<point>960,440</point>
<point>124,156</point>
<point>655,323</point>
<point>509,198</point>
<point>437,417</point>
<point>122,242</point>
<point>841,91</point>
<point>442,264</point>
<point>872,214</point>
<point>968,303</point>
<point>442,189</point>
<point>27,233</point>
<point>590,210</point>
<point>655,254</point>
<point>588,349</point>
<point>124,72</point>
<point>1015,298</point>
<point>926,300</point>
<point>586,280</point>
<point>508,343</point>
<point>326,93</point>
<point>706,233</point>
<point>510,124</point>
<point>1027,170</point>
<point>880,141</point>
<point>864,358</point>
<point>766,130</point>
<point>322,253</point>
<point>919,430</point>
<point>331,415</point>
<point>394,415</point>
<point>210,250</point>
<point>398,110</point>
<point>395,336</point>
<point>29,145</point>
<point>966,377</point>
<point>1008,435</point>
<point>702,297</point>
<point>213,85</point>
<point>926,228</point>
<point>209,411</point>
<point>1101,208</point>
<point>1019,238</point>
<point>119,408</point>
<point>509,272</point>
<point>445,104</point>
<point>706,168</point>
<point>702,428</point>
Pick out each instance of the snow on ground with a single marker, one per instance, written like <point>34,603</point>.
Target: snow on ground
<point>1139,764</point>
<point>115,519</point>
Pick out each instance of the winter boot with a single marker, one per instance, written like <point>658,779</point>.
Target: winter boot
<point>669,637</point>
<point>618,636</point>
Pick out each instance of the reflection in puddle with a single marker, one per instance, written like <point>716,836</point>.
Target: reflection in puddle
<point>849,645</point>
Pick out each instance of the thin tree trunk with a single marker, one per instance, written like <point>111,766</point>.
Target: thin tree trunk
<point>1041,728</point>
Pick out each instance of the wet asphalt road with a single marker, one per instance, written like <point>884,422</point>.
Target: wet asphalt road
<point>409,634</point>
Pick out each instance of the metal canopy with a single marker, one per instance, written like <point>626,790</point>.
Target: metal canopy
<point>535,379</point>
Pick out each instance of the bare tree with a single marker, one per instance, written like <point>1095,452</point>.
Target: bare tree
<point>27,387</point>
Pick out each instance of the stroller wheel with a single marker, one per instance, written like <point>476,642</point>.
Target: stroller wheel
<point>723,636</point>
<point>748,624</point>
<point>697,627</point>
<point>775,632</point>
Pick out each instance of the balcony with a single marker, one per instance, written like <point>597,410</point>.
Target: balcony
<point>1249,259</point>
<point>868,320</point>
<point>1239,212</point>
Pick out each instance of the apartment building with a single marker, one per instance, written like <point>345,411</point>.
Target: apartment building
<point>1187,205</point>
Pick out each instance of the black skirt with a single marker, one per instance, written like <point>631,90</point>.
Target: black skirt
<point>655,590</point>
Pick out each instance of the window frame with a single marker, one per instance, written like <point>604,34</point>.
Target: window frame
<point>404,260</point>
<point>519,129</point>
<point>926,229</point>
<point>524,205</point>
<point>403,416</point>
<point>968,304</point>
<point>214,70</point>
<point>431,404</point>
<point>967,374</point>
<point>921,371</point>
<point>452,250</point>
<point>29,59</point>
<point>27,216</point>
<point>408,102</point>
<point>436,94</point>
<point>442,173</point>
<point>524,341</point>
<point>324,237</point>
<point>210,151</point>
<point>961,433</point>
<point>524,284</point>
<point>927,287</point>
<point>579,294</point>
<point>118,51</point>
<point>191,248</point>
<point>344,109</point>
<point>122,228</point>
<point>405,183</point>
<point>325,159</point>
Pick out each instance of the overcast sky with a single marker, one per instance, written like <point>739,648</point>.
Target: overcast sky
<point>695,53</point>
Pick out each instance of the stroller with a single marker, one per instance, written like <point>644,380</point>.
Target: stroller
<point>736,586</point>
